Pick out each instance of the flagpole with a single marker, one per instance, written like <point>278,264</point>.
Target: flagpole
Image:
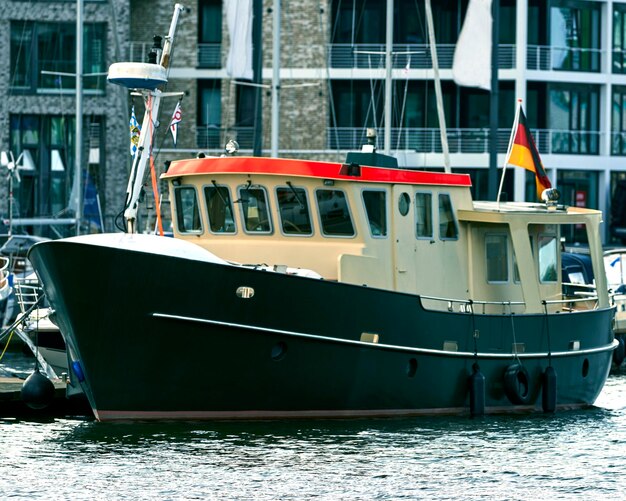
<point>508,151</point>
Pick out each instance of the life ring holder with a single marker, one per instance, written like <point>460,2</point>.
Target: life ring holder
<point>517,384</point>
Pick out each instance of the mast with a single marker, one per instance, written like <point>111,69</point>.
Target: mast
<point>275,78</point>
<point>257,74</point>
<point>149,76</point>
<point>78,146</point>
<point>438,94</point>
<point>388,81</point>
<point>493,108</point>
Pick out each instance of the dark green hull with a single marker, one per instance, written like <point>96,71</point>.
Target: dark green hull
<point>168,337</point>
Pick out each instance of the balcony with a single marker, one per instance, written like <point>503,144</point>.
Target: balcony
<point>365,56</point>
<point>428,140</point>
<point>212,137</point>
<point>548,58</point>
<point>210,55</point>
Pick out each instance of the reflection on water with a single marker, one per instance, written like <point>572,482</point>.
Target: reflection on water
<point>567,455</point>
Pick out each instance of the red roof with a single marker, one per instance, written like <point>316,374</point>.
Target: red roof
<point>307,168</point>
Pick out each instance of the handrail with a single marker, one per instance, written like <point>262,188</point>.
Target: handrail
<point>503,304</point>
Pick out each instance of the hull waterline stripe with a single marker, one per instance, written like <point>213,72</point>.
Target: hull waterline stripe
<point>408,349</point>
<point>109,415</point>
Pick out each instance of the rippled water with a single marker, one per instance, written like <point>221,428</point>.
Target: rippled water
<point>569,455</point>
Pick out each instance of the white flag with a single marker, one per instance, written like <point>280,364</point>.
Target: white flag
<point>176,118</point>
<point>239,18</point>
<point>471,66</point>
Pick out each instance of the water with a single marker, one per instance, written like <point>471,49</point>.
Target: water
<point>570,455</point>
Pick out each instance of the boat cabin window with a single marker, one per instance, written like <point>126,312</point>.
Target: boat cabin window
<point>548,247</point>
<point>220,209</point>
<point>187,210</point>
<point>496,252</point>
<point>254,209</point>
<point>447,224</point>
<point>424,215</point>
<point>375,203</point>
<point>293,207</point>
<point>334,213</point>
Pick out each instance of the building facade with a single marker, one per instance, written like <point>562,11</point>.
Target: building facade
<point>565,59</point>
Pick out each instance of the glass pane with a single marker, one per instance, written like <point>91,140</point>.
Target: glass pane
<point>293,208</point>
<point>497,258</point>
<point>334,213</point>
<point>21,43</point>
<point>94,44</point>
<point>447,223</point>
<point>255,211</point>
<point>187,213</point>
<point>424,215</point>
<point>30,130</point>
<point>220,209</point>
<point>56,51</point>
<point>547,258</point>
<point>375,203</point>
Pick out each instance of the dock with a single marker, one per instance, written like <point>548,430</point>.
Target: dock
<point>11,404</point>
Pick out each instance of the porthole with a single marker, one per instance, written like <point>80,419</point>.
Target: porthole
<point>411,368</point>
<point>585,367</point>
<point>279,350</point>
<point>404,203</point>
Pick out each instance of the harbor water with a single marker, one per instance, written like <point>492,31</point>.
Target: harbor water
<point>568,455</point>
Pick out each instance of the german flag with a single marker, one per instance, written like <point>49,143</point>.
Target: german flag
<point>524,154</point>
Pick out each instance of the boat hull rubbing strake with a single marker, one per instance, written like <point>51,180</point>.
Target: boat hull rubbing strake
<point>137,75</point>
<point>296,347</point>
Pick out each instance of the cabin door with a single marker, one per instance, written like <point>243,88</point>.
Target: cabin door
<point>404,242</point>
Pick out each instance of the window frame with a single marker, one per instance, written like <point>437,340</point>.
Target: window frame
<point>454,220</point>
<point>178,213</point>
<point>280,215</point>
<point>505,236</point>
<point>208,214</point>
<point>319,213</point>
<point>367,218</point>
<point>268,204</point>
<point>430,237</point>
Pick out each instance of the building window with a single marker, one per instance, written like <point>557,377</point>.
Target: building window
<point>46,143</point>
<point>37,47</point>
<point>210,34</point>
<point>619,38</point>
<point>618,121</point>
<point>209,114</point>
<point>575,36</point>
<point>574,116</point>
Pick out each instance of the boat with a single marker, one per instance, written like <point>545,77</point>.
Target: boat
<point>325,289</point>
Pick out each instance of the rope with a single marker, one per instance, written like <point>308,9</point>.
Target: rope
<point>6,345</point>
<point>519,361</point>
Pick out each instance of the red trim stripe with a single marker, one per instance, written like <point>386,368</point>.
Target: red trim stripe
<point>306,168</point>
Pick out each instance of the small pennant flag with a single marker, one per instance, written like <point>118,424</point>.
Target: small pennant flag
<point>135,130</point>
<point>176,119</point>
<point>524,154</point>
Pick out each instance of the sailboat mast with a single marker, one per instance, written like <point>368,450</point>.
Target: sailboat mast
<point>443,131</point>
<point>388,83</point>
<point>275,78</point>
<point>493,111</point>
<point>78,146</point>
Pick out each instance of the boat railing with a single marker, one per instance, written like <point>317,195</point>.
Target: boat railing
<point>27,295</point>
<point>566,304</point>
